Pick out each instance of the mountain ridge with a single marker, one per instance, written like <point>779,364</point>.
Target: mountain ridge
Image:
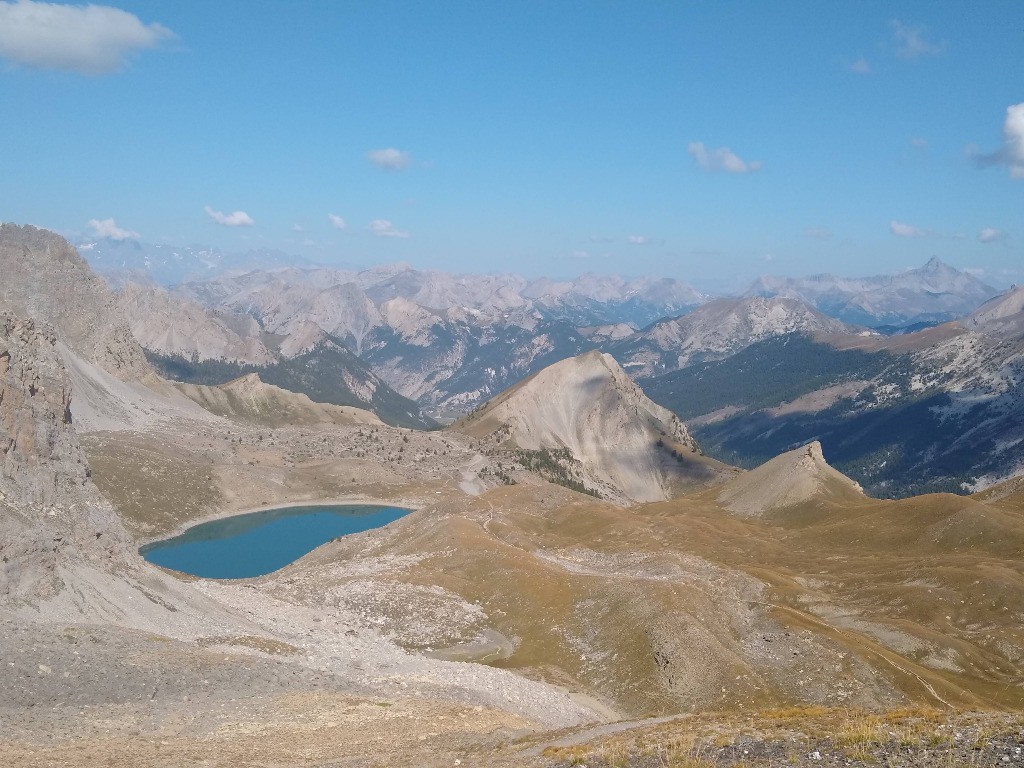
<point>935,292</point>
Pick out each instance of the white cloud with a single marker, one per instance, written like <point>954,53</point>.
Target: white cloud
<point>918,143</point>
<point>92,39</point>
<point>1012,153</point>
<point>336,221</point>
<point>721,159</point>
<point>298,228</point>
<point>390,159</point>
<point>384,228</point>
<point>236,219</point>
<point>108,229</point>
<point>601,239</point>
<point>580,255</point>
<point>990,235</point>
<point>638,240</point>
<point>900,229</point>
<point>818,233</point>
<point>911,42</point>
<point>861,66</point>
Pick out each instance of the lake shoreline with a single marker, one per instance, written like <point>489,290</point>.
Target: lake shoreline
<point>353,499</point>
<point>257,543</point>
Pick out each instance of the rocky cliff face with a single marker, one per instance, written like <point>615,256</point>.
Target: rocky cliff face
<point>49,508</point>
<point>44,278</point>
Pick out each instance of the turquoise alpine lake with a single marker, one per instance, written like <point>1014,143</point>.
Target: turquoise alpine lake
<point>258,543</point>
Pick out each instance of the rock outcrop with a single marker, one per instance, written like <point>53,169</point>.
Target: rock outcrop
<point>44,278</point>
<point>789,480</point>
<point>50,511</point>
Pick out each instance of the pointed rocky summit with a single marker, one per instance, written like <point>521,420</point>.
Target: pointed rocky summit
<point>790,479</point>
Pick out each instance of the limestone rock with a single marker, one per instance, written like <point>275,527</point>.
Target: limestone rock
<point>44,278</point>
<point>49,508</point>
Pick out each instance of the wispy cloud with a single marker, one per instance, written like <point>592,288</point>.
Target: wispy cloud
<point>390,159</point>
<point>861,67</point>
<point>235,219</point>
<point>580,255</point>
<point>918,143</point>
<point>91,39</point>
<point>638,240</point>
<point>336,221</point>
<point>298,228</point>
<point>901,229</point>
<point>1011,154</point>
<point>818,233</point>
<point>384,228</point>
<point>108,228</point>
<point>911,42</point>
<point>720,159</point>
<point>990,235</point>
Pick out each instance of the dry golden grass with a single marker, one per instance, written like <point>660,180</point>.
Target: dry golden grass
<point>862,736</point>
<point>155,489</point>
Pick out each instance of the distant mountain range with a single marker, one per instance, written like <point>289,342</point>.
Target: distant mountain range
<point>901,402</point>
<point>447,341</point>
<point>450,341</point>
<point>933,293</point>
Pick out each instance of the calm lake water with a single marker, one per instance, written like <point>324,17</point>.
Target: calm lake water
<point>255,544</point>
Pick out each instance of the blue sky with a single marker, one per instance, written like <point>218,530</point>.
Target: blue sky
<point>707,141</point>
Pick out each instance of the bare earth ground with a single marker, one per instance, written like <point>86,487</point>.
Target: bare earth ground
<point>819,618</point>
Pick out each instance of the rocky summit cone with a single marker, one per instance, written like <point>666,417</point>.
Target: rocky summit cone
<point>789,480</point>
<point>627,446</point>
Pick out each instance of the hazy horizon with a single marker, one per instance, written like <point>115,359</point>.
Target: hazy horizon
<point>709,285</point>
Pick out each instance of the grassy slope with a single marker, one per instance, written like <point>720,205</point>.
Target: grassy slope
<point>658,608</point>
